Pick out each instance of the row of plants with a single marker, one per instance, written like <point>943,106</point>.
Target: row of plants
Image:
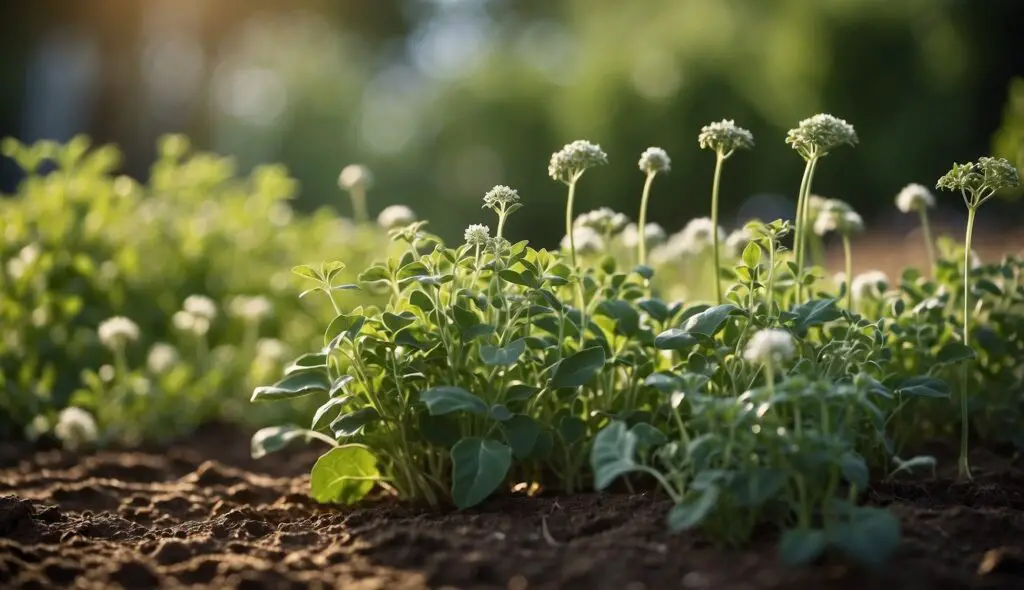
<point>775,402</point>
<point>151,308</point>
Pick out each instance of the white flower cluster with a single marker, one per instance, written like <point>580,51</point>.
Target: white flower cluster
<point>76,428</point>
<point>820,134</point>
<point>770,347</point>
<point>355,176</point>
<point>604,221</point>
<point>117,331</point>
<point>251,309</point>
<point>477,235</point>
<point>568,163</point>
<point>395,216</point>
<point>869,285</point>
<point>196,314</point>
<point>694,239</point>
<point>654,235</point>
<point>500,197</point>
<point>655,160</point>
<point>914,197</point>
<point>835,215</point>
<point>162,357</point>
<point>737,241</point>
<point>725,137</point>
<point>271,349</point>
<point>587,241</point>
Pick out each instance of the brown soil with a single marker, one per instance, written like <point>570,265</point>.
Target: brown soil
<point>203,514</point>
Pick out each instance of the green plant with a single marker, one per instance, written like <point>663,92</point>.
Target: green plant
<point>917,198</point>
<point>652,161</point>
<point>977,182</point>
<point>837,216</point>
<point>724,138</point>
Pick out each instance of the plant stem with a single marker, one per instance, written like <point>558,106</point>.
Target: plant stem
<point>929,244</point>
<point>358,195</point>
<point>641,228</point>
<point>714,225</point>
<point>798,231</point>
<point>568,222</point>
<point>963,465</point>
<point>771,277</point>
<point>848,256</point>
<point>801,245</point>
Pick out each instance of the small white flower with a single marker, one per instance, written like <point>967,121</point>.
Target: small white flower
<point>200,306</point>
<point>162,357</point>
<point>869,285</point>
<point>568,163</point>
<point>844,220</point>
<point>500,197</point>
<point>355,176</point>
<point>655,160</point>
<point>698,234</point>
<point>76,428</point>
<point>183,321</point>
<point>820,134</point>
<point>395,216</point>
<point>914,197</point>
<point>117,331</point>
<point>271,349</point>
<point>725,136</point>
<point>604,221</point>
<point>251,309</point>
<point>654,235</point>
<point>587,241</point>
<point>477,235</point>
<point>771,346</point>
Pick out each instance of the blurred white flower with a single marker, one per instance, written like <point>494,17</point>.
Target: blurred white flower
<point>587,241</point>
<point>654,235</point>
<point>76,428</point>
<point>841,219</point>
<point>201,306</point>
<point>39,426</point>
<point>117,331</point>
<point>869,285</point>
<point>770,347</point>
<point>395,216</point>
<point>737,241</point>
<point>251,309</point>
<point>604,221</point>
<point>914,197</point>
<point>355,176</point>
<point>271,349</point>
<point>162,357</point>
<point>106,373</point>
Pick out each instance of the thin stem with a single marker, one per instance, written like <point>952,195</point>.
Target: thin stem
<point>568,221</point>
<point>641,228</point>
<point>358,195</point>
<point>714,225</point>
<point>771,277</point>
<point>963,465</point>
<point>321,437</point>
<point>805,223</point>
<point>798,232</point>
<point>848,257</point>
<point>501,222</point>
<point>929,244</point>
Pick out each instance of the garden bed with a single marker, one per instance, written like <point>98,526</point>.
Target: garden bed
<point>203,513</point>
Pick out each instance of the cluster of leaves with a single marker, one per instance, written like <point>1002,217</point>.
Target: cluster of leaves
<point>497,363</point>
<point>81,244</point>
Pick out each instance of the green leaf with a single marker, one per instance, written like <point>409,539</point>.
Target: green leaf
<point>663,382</point>
<point>571,429</point>
<point>492,356</point>
<point>292,386</point>
<point>854,469</point>
<point>314,360</point>
<point>375,274</point>
<point>753,487</point>
<point>306,271</point>
<point>500,413</point>
<point>521,432</point>
<point>814,313</point>
<point>339,385</point>
<point>644,271</point>
<point>693,509</point>
<point>924,386</point>
<point>343,475</point>
<point>954,352</point>
<point>396,322</point>
<point>273,438</point>
<point>321,412</point>
<point>520,392</point>
<point>612,454</point>
<point>342,326</point>
<point>982,286</point>
<point>648,436</point>
<point>913,463</point>
<point>578,369</point>
<point>870,537</point>
<point>627,320</point>
<point>479,467</point>
<point>708,322</point>
<point>525,279</point>
<point>446,399</point>
<point>752,254</point>
<point>422,301</point>
<point>655,308</point>
<point>351,424</point>
<point>801,546</point>
<point>442,431</point>
<point>675,339</point>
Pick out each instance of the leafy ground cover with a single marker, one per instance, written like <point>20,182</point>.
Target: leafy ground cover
<point>202,513</point>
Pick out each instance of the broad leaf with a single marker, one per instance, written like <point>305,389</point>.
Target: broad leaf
<point>612,454</point>
<point>446,399</point>
<point>315,360</point>
<point>578,369</point>
<point>321,413</point>
<point>955,352</point>
<point>571,429</point>
<point>520,392</point>
<point>870,537</point>
<point>507,355</point>
<point>479,467</point>
<point>854,469</point>
<point>292,386</point>
<point>675,339</point>
<point>344,475</point>
<point>521,432</point>
<point>814,313</point>
<point>350,424</point>
<point>924,386</point>
<point>500,413</point>
<point>342,326</point>
<point>693,509</point>
<point>801,546</point>
<point>648,436</point>
<point>708,322</point>
<point>273,438</point>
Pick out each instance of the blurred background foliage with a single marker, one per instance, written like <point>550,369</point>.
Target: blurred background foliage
<point>445,98</point>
